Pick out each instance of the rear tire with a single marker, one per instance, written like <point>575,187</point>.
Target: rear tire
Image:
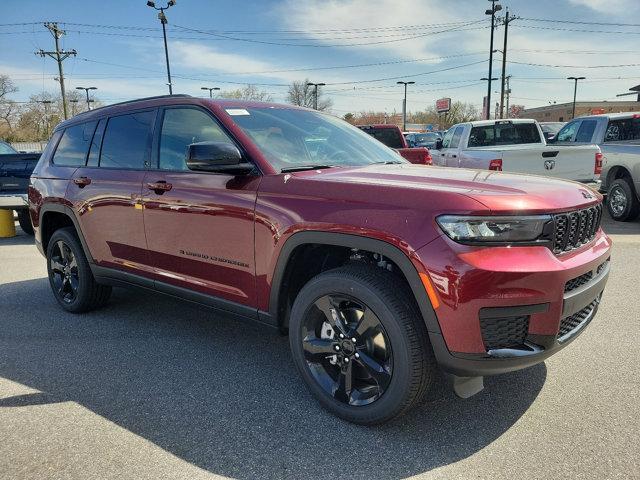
<point>24,219</point>
<point>70,277</point>
<point>622,201</point>
<point>391,363</point>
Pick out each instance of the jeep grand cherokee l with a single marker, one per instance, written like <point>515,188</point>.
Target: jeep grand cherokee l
<point>379,270</point>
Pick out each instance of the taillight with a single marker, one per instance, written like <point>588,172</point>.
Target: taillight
<point>597,169</point>
<point>428,159</point>
<point>496,164</point>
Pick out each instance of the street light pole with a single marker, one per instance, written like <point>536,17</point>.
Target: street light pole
<point>163,21</point>
<point>86,89</point>
<point>492,11</point>
<point>315,93</point>
<point>211,89</point>
<point>575,89</point>
<point>404,104</point>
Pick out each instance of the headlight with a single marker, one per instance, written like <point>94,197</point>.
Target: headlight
<point>471,229</point>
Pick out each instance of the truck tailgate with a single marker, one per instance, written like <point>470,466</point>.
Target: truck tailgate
<point>418,155</point>
<point>575,162</point>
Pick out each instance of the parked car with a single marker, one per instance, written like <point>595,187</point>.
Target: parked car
<point>427,139</point>
<point>516,145</point>
<point>551,129</point>
<point>618,136</point>
<point>392,137</point>
<point>15,170</point>
<point>379,270</point>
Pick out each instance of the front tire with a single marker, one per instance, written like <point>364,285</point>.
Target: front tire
<point>70,277</point>
<point>360,344</point>
<point>25,222</point>
<point>622,202</point>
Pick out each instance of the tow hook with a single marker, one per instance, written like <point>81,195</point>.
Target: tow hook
<point>465,387</point>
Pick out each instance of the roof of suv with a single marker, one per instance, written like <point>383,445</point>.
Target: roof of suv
<point>612,116</point>
<point>150,102</point>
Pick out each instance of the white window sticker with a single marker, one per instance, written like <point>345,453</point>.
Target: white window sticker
<point>237,111</point>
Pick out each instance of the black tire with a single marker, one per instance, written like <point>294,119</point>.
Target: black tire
<point>25,222</point>
<point>73,286</point>
<point>412,359</point>
<point>622,201</point>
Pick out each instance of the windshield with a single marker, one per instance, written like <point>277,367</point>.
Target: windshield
<point>291,138</point>
<point>426,137</point>
<point>504,134</point>
<point>6,149</point>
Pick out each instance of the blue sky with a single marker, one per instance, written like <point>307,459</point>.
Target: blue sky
<point>441,45</point>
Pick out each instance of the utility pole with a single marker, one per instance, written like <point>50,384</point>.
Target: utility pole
<point>492,11</point>
<point>86,89</point>
<point>507,92</point>
<point>575,89</point>
<point>59,56</point>
<point>211,89</point>
<point>404,105</point>
<point>163,20</point>
<point>507,20</point>
<point>315,93</point>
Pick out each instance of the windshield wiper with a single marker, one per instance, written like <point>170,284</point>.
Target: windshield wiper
<point>300,168</point>
<point>388,163</point>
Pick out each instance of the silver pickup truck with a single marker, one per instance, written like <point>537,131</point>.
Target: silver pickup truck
<point>516,145</point>
<point>618,136</point>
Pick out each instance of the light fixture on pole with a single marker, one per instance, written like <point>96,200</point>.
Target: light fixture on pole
<point>86,89</point>
<point>404,104</point>
<point>163,20</point>
<point>575,89</point>
<point>211,89</point>
<point>315,93</point>
<point>491,11</point>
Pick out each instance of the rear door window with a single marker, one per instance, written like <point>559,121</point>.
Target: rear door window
<point>585,132</point>
<point>94,150</point>
<point>127,139</point>
<point>457,134</point>
<point>74,145</point>
<point>504,133</point>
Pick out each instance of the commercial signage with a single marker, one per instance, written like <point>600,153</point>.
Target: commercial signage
<point>443,105</point>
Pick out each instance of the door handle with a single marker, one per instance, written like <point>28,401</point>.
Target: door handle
<point>160,187</point>
<point>82,181</point>
<point>454,156</point>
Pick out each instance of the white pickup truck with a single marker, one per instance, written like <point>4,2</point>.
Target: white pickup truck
<point>618,136</point>
<point>516,145</point>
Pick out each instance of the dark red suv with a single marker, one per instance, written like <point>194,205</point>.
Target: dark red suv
<point>379,270</point>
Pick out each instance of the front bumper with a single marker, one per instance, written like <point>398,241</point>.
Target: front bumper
<point>14,201</point>
<point>523,283</point>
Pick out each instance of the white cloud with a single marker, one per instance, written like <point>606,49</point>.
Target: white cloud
<point>612,7</point>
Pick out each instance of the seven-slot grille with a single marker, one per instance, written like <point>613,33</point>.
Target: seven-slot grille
<point>574,229</point>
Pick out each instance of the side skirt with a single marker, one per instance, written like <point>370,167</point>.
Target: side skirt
<point>118,278</point>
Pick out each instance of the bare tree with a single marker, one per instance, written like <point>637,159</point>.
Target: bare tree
<point>303,95</point>
<point>249,92</point>
<point>8,108</point>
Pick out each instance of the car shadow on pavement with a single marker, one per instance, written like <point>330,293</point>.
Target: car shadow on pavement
<point>224,395</point>
<point>21,238</point>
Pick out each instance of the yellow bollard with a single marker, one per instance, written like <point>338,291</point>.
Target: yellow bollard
<point>7,225</point>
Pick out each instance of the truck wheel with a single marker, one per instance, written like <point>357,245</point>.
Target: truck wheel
<point>622,201</point>
<point>360,344</point>
<point>25,222</point>
<point>70,277</point>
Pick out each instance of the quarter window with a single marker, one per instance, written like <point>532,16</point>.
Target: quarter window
<point>94,150</point>
<point>182,127</point>
<point>74,144</point>
<point>126,141</point>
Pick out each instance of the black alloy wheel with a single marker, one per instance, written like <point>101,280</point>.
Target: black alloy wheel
<point>64,269</point>
<point>347,349</point>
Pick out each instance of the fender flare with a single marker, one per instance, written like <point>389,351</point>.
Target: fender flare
<point>362,243</point>
<point>68,211</point>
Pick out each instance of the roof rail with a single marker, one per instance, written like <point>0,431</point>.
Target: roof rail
<point>175,95</point>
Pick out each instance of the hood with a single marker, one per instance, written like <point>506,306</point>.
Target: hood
<point>506,193</point>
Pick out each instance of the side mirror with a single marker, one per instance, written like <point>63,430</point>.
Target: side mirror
<point>438,144</point>
<point>217,157</point>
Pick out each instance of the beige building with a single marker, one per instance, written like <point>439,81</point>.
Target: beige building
<point>561,112</point>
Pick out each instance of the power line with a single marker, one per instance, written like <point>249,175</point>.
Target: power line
<point>556,29</point>
<point>575,66</point>
<point>580,22</point>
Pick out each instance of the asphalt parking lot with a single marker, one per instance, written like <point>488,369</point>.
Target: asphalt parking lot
<point>152,387</point>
